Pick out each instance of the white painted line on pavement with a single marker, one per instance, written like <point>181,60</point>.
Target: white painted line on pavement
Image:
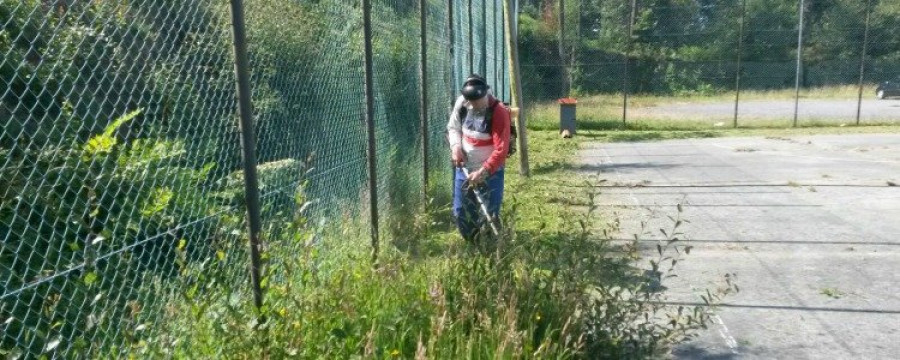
<point>723,331</point>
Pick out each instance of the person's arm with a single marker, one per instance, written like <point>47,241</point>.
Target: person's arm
<point>454,134</point>
<point>454,126</point>
<point>500,138</point>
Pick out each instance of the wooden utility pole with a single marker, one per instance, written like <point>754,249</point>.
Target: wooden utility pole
<point>515,88</point>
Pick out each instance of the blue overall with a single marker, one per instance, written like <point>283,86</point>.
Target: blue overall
<point>466,210</point>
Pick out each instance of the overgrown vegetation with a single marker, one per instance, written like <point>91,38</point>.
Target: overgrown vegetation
<point>557,289</point>
<point>121,162</point>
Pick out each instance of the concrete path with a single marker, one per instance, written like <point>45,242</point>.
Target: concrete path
<point>810,225</point>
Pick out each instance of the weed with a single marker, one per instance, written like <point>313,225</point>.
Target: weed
<point>557,288</point>
<point>832,293</point>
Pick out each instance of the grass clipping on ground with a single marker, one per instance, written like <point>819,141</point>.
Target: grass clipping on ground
<point>555,289</point>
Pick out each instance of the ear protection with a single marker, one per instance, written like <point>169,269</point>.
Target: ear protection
<point>475,87</point>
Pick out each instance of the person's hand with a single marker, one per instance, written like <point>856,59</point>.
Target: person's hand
<point>478,176</point>
<point>457,156</point>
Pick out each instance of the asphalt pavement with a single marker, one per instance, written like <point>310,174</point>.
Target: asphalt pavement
<point>810,225</point>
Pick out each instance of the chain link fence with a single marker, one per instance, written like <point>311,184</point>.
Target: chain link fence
<point>737,62</point>
<point>121,180</point>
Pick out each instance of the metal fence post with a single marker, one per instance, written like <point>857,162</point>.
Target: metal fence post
<point>248,149</point>
<point>370,128</point>
<point>574,68</point>
<point>471,43</point>
<point>862,61</point>
<point>423,78</point>
<point>503,72</point>
<point>453,52</point>
<point>625,77</point>
<point>799,61</point>
<point>562,47</point>
<point>453,69</point>
<point>484,39</point>
<point>737,75</point>
<point>497,57</point>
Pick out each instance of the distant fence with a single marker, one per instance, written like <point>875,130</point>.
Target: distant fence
<point>715,47</point>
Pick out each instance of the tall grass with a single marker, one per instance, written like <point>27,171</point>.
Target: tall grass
<point>556,289</point>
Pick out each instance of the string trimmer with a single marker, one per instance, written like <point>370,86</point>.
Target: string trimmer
<point>482,204</point>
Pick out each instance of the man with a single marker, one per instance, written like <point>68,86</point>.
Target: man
<point>478,132</point>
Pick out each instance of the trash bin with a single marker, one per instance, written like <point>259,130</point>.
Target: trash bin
<point>567,117</point>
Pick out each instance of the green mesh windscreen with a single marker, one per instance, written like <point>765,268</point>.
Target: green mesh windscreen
<point>121,181</point>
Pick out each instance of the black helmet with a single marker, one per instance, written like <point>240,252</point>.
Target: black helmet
<point>475,87</point>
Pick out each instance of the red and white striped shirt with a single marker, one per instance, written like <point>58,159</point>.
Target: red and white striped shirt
<point>484,146</point>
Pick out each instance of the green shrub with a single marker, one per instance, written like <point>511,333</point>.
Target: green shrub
<point>686,82</point>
